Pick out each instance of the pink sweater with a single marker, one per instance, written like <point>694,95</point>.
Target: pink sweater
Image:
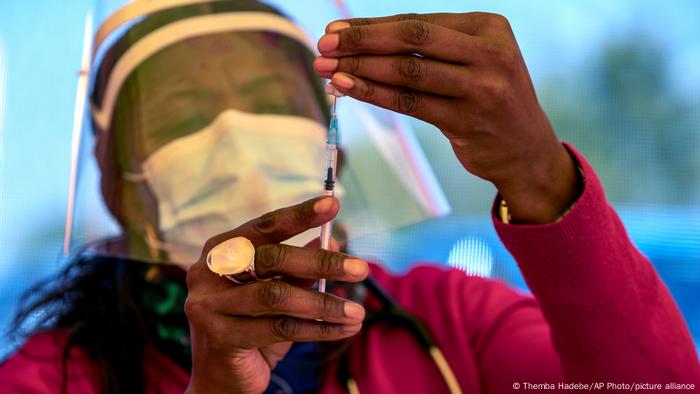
<point>599,314</point>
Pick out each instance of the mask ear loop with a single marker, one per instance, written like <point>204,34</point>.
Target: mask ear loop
<point>152,242</point>
<point>155,245</point>
<point>134,177</point>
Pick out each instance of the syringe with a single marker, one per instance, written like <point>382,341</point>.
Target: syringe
<point>329,182</point>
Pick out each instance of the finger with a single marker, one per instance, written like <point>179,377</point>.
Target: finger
<point>276,259</point>
<point>282,224</point>
<point>316,244</point>
<point>276,297</point>
<point>227,332</point>
<point>429,40</point>
<point>412,71</point>
<point>283,329</point>
<point>298,282</point>
<point>199,276</point>
<point>425,106</point>
<point>468,23</point>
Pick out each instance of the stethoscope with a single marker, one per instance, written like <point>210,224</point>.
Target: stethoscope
<point>393,314</point>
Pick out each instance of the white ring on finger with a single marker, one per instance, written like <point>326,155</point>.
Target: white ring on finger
<point>235,256</point>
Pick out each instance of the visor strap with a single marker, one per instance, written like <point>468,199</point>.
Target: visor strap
<point>134,10</point>
<point>182,30</point>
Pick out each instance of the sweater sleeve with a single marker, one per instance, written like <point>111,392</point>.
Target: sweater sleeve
<point>611,318</point>
<point>510,338</point>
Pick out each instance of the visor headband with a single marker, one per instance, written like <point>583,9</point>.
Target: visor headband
<point>183,30</point>
<point>132,11</point>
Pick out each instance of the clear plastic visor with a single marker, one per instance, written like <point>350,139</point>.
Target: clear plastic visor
<point>206,115</point>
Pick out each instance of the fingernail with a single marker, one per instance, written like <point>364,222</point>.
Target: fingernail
<point>328,42</point>
<point>337,25</point>
<point>354,267</point>
<point>323,205</point>
<point>326,64</point>
<point>342,80</point>
<point>354,311</point>
<point>330,89</point>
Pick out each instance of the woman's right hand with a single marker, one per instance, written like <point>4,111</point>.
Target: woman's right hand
<point>240,332</point>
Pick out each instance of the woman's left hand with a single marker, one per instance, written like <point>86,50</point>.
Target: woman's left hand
<point>464,74</point>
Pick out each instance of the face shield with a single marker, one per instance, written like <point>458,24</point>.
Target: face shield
<point>202,115</point>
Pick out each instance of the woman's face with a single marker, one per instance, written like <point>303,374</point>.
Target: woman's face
<point>184,87</point>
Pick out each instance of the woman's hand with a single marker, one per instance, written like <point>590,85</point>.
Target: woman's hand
<point>464,74</point>
<point>240,332</point>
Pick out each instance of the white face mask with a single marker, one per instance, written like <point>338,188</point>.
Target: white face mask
<point>241,166</point>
